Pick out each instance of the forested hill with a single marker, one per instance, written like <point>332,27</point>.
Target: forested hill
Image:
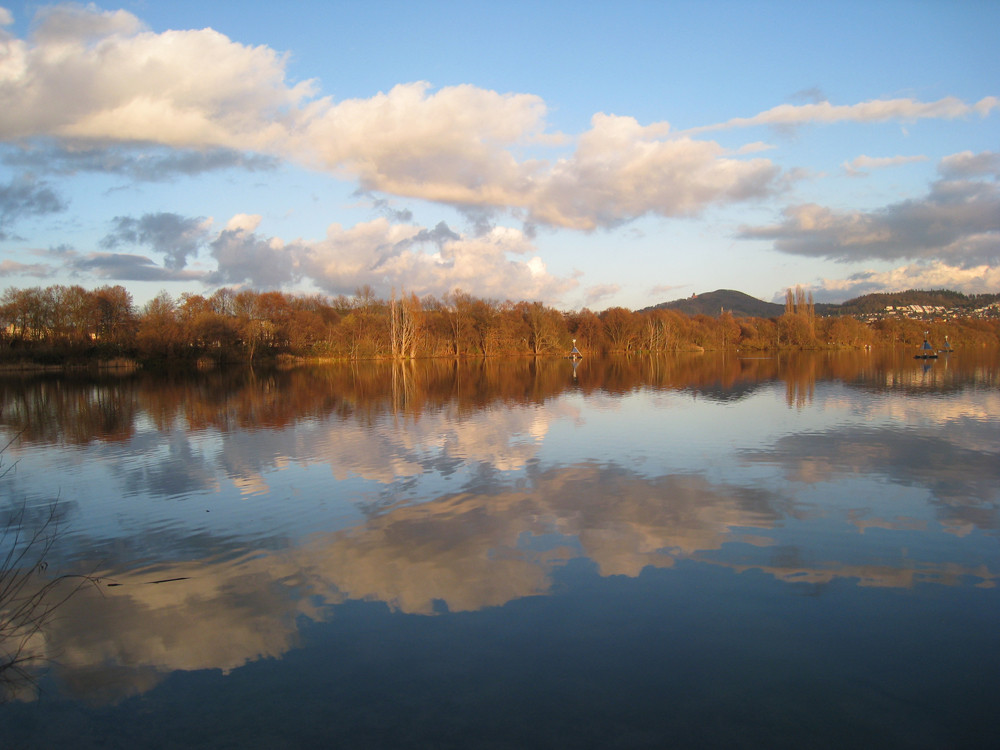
<point>744,306</point>
<point>873,303</point>
<point>713,303</point>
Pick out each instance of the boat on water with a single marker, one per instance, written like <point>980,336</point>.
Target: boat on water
<point>575,353</point>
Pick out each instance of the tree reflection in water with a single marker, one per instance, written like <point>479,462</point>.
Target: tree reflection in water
<point>244,516</point>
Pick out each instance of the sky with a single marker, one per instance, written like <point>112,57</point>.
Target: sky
<point>583,154</point>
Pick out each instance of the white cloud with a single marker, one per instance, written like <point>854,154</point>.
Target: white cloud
<point>87,76</point>
<point>389,256</point>
<point>755,147</point>
<point>933,275</point>
<point>101,75</point>
<point>446,146</point>
<point>859,166</point>
<point>622,170</point>
<point>877,110</point>
<point>451,146</point>
<point>499,264</point>
<point>243,223</point>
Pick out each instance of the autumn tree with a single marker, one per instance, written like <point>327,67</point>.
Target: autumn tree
<point>159,333</point>
<point>728,330</point>
<point>847,331</point>
<point>587,328</point>
<point>620,328</point>
<point>795,330</point>
<point>657,331</point>
<point>487,327</point>
<point>207,331</point>
<point>28,313</point>
<point>457,309</point>
<point>543,327</point>
<point>405,325</point>
<point>115,316</point>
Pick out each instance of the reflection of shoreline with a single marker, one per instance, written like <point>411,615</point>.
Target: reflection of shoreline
<point>79,410</point>
<point>457,552</point>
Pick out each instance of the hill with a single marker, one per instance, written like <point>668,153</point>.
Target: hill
<point>877,302</point>
<point>743,305</point>
<point>713,303</point>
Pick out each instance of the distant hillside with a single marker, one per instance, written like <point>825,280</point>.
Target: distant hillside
<point>744,306</point>
<point>873,303</point>
<point>713,303</point>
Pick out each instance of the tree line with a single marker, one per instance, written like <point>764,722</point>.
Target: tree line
<point>60,324</point>
<point>114,408</point>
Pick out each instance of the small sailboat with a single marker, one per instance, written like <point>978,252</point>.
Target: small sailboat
<point>926,350</point>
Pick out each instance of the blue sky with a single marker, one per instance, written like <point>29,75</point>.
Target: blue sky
<point>582,154</point>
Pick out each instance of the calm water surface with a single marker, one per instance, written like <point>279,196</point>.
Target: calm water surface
<point>681,552</point>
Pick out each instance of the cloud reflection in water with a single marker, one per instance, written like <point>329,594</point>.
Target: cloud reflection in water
<point>802,499</point>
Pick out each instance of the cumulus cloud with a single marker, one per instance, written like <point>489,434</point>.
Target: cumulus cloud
<point>958,222</point>
<point>622,170</point>
<point>448,145</point>
<point>176,237</point>
<point>118,83</point>
<point>434,261</point>
<point>26,196</point>
<point>243,223</point>
<point>453,146</point>
<point>387,256</point>
<point>114,80</point>
<point>861,165</point>
<point>105,93</point>
<point>243,257</point>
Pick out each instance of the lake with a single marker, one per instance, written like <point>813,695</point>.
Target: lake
<point>691,551</point>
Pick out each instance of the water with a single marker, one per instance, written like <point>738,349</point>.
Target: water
<point>797,551</point>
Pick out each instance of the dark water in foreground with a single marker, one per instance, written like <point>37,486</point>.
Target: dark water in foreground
<point>684,552</point>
